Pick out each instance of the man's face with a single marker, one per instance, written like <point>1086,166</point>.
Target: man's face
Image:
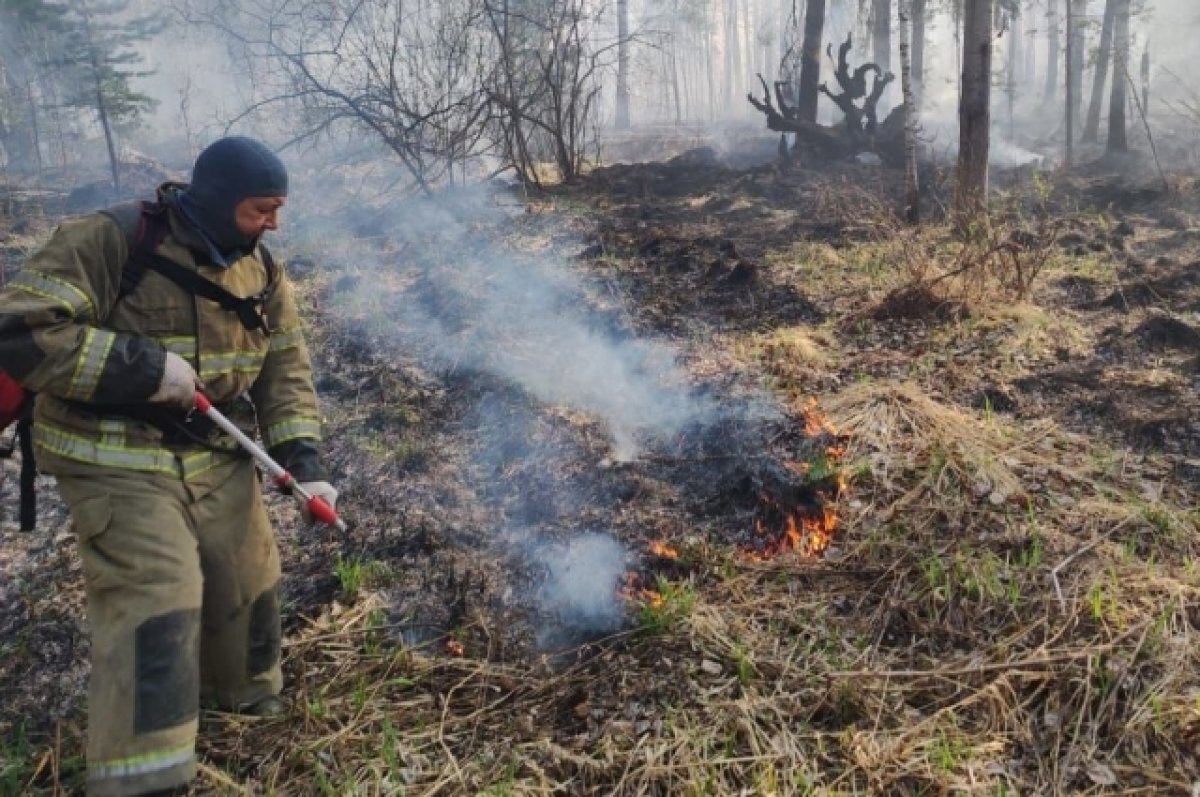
<point>257,214</point>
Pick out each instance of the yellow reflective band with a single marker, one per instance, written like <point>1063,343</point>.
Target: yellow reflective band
<point>212,365</point>
<point>61,291</point>
<point>112,432</point>
<point>183,345</point>
<point>295,429</point>
<point>140,764</point>
<point>287,339</point>
<point>97,343</point>
<point>150,460</point>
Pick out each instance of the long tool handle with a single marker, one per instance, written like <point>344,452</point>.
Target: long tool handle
<point>318,507</point>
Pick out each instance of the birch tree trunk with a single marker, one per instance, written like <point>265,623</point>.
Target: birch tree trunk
<point>918,50</point>
<point>1070,104</point>
<point>622,118</point>
<point>912,184</point>
<point>974,111</point>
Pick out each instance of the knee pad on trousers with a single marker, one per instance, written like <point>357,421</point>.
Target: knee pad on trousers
<point>262,650</point>
<point>167,671</point>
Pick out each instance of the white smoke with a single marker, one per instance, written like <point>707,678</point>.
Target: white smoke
<point>529,321</point>
<point>583,575</point>
<point>437,289</point>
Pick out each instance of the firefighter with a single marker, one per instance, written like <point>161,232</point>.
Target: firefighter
<point>179,559</point>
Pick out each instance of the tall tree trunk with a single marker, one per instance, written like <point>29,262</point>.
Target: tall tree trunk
<point>709,73</point>
<point>974,111</point>
<point>1075,59</point>
<point>881,34</point>
<point>1016,47</point>
<point>1030,74</point>
<point>810,64</point>
<point>1052,32</point>
<point>918,50</point>
<point>733,51</point>
<point>912,184</point>
<point>101,102</point>
<point>1146,81</point>
<point>1072,44</point>
<point>675,84</point>
<point>1117,141</point>
<point>957,12</point>
<point>1091,129</point>
<point>622,120</point>
<point>745,46</point>
<point>1011,77</point>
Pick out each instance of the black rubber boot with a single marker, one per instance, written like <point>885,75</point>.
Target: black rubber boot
<point>270,707</point>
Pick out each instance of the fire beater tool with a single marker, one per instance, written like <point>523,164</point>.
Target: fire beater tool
<point>318,507</point>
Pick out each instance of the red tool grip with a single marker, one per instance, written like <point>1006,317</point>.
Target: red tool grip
<point>322,511</point>
<point>202,402</point>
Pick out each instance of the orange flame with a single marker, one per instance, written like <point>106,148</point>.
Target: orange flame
<point>659,548</point>
<point>802,532</point>
<point>633,592</point>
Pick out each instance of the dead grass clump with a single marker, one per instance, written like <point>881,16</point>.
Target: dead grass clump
<point>790,354</point>
<point>916,446</point>
<point>919,302</point>
<point>855,212</point>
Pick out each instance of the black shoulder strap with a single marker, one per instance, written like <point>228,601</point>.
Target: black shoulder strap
<point>144,225</point>
<point>248,309</point>
<point>28,510</point>
<point>269,264</point>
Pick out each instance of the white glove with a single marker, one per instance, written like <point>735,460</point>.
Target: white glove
<point>178,385</point>
<point>323,490</point>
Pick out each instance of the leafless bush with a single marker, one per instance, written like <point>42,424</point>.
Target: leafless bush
<point>1008,255</point>
<point>413,74</point>
<point>448,86</point>
<point>546,84</point>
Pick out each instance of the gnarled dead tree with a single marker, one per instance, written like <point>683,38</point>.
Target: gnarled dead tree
<point>860,130</point>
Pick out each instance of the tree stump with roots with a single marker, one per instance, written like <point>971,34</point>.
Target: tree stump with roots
<point>860,130</point>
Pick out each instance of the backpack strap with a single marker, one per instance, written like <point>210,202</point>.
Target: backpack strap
<point>27,514</point>
<point>248,309</point>
<point>145,225</point>
<point>272,269</point>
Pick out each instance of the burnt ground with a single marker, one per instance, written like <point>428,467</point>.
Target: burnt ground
<point>1007,605</point>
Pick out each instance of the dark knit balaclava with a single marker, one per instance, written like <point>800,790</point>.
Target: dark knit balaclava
<point>226,172</point>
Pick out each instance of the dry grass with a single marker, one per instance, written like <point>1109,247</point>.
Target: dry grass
<point>930,654</point>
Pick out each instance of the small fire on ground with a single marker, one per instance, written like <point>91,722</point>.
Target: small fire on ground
<point>634,591</point>
<point>807,528</point>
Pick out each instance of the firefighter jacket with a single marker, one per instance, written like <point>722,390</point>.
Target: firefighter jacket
<point>95,358</point>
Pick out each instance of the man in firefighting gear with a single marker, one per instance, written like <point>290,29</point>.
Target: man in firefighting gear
<point>180,563</point>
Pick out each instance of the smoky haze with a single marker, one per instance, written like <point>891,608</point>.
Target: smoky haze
<point>690,66</point>
<point>554,364</point>
<point>529,320</point>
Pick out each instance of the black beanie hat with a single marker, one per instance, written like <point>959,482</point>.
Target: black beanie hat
<point>226,172</point>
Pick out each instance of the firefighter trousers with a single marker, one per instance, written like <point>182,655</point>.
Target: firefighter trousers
<point>182,586</point>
